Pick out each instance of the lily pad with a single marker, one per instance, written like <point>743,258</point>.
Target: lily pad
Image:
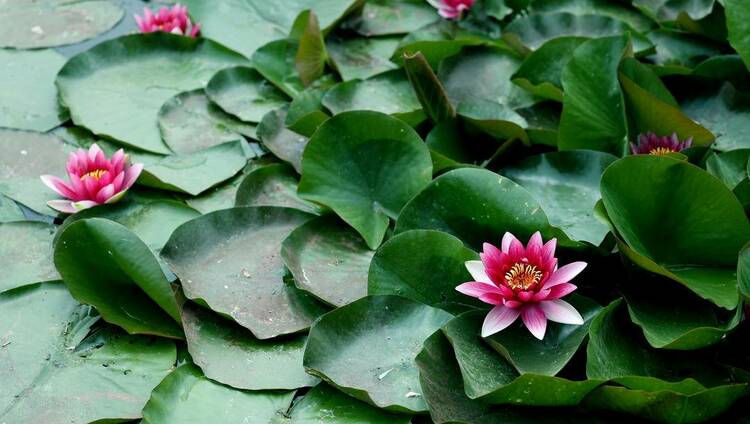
<point>229,261</point>
<point>387,17</point>
<point>26,254</point>
<point>387,376</point>
<point>276,61</point>
<point>724,113</point>
<point>229,354</point>
<point>328,260</point>
<point>730,167</point>
<point>31,24</point>
<point>223,196</point>
<point>566,184</point>
<point>189,122</point>
<point>541,72</point>
<point>29,100</point>
<point>273,185</point>
<point>186,395</point>
<point>667,211</point>
<point>737,13</point>
<point>46,338</point>
<point>388,92</point>
<point>338,170</point>
<point>425,266</point>
<point>285,144</point>
<point>107,266</point>
<point>9,210</point>
<point>244,93</point>
<point>362,58</point>
<point>326,405</point>
<point>475,205</point>
<point>116,88</point>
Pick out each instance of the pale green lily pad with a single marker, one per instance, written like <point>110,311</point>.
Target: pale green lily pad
<point>244,93</point>
<point>26,254</point>
<point>362,58</point>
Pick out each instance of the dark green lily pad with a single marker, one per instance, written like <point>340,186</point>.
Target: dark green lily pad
<point>362,58</point>
<point>338,170</point>
<point>326,405</point>
<point>107,266</point>
<point>26,254</point>
<point>567,186</point>
<point>425,266</point>
<point>186,395</point>
<point>743,272</point>
<point>223,196</point>
<point>29,100</point>
<point>541,72</point>
<point>668,211</point>
<point>189,122</point>
<point>229,261</point>
<point>229,354</point>
<point>31,24</point>
<point>737,13</point>
<point>244,93</point>
<point>276,61</point>
<point>57,372</point>
<point>476,206</point>
<point>273,185</point>
<point>730,167</point>
<point>387,376</point>
<point>328,260</point>
<point>282,142</point>
<point>116,88</point>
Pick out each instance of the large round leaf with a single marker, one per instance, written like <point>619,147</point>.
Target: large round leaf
<point>31,24</point>
<point>54,373</point>
<point>229,354</point>
<point>186,395</point>
<point>24,156</point>
<point>593,115</point>
<point>338,170</point>
<point>389,92</point>
<point>189,122</point>
<point>229,260</point>
<point>326,405</point>
<point>273,185</point>
<point>107,266</point>
<point>476,206</point>
<point>425,266</point>
<point>378,338</point>
<point>245,25</point>
<point>329,260</point>
<point>29,100</point>
<point>566,184</point>
<point>724,113</point>
<point>681,221</point>
<point>26,254</point>
<point>117,88</point>
<point>362,58</point>
<point>244,93</point>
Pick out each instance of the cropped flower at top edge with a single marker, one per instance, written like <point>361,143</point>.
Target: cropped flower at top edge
<point>523,281</point>
<point>94,180</point>
<point>175,20</point>
<point>452,9</point>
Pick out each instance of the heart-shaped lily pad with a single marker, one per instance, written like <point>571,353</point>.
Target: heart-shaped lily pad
<point>229,260</point>
<point>107,266</point>
<point>244,93</point>
<point>329,260</point>
<point>338,170</point>
<point>273,185</point>
<point>385,377</point>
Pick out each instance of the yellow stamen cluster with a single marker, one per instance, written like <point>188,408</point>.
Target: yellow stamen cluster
<point>94,174</point>
<point>660,151</point>
<point>522,276</point>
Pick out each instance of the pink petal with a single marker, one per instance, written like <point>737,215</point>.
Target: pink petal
<point>535,320</point>
<point>105,193</point>
<point>92,186</point>
<point>560,290</point>
<point>561,311</point>
<point>118,161</point>
<point>94,151</point>
<point>525,296</point>
<point>498,319</point>
<point>492,298</point>
<point>476,269</point>
<point>507,240</point>
<point>548,250</point>
<point>64,206</point>
<point>84,204</point>
<point>565,274</point>
<point>196,29</point>
<point>516,250</point>
<point>476,289</point>
<point>117,197</point>
<point>58,186</point>
<point>513,304</point>
<point>117,181</point>
<point>535,242</point>
<point>131,175</point>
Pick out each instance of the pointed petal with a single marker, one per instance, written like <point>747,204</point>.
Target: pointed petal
<point>84,204</point>
<point>476,289</point>
<point>560,290</point>
<point>499,318</point>
<point>565,274</point>
<point>507,240</point>
<point>561,311</point>
<point>64,206</point>
<point>535,320</point>
<point>105,193</point>
<point>131,174</point>
<point>58,185</point>
<point>476,269</point>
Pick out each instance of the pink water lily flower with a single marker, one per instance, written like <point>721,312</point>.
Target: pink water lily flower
<point>523,281</point>
<point>94,180</point>
<point>452,9</point>
<point>652,144</point>
<point>174,20</point>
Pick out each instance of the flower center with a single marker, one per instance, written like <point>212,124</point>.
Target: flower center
<point>96,174</point>
<point>660,151</point>
<point>522,276</point>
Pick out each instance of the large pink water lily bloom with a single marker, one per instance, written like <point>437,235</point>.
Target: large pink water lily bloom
<point>523,281</point>
<point>175,20</point>
<point>452,9</point>
<point>652,144</point>
<point>94,180</point>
